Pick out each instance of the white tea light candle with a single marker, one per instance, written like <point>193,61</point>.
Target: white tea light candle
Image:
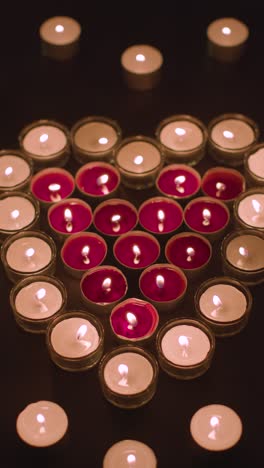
<point>60,37</point>
<point>141,66</point>
<point>226,39</point>
<point>128,453</point>
<point>15,171</point>
<point>19,211</point>
<point>249,209</point>
<point>254,165</point>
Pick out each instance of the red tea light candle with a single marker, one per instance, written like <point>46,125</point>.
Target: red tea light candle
<point>249,209</point>
<point>134,320</point>
<point>223,183</point>
<point>254,166</point>
<point>46,143</point>
<point>207,216</point>
<point>136,250</point>
<point>69,216</point>
<point>183,139</point>
<point>52,185</point>
<point>189,251</point>
<point>15,171</point>
<point>115,217</point>
<point>81,252</point>
<point>97,181</point>
<point>178,181</point>
<point>102,288</point>
<point>160,215</point>
<point>95,138</point>
<point>164,285</point>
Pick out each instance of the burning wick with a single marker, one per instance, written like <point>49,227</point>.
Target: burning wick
<point>123,371</point>
<point>214,423</point>
<point>220,187</point>
<point>132,320</point>
<point>138,160</point>
<point>39,295</point>
<point>190,252</point>
<point>218,304</point>
<point>115,220</point>
<point>226,31</point>
<point>103,140</point>
<point>41,420</point>
<point>137,253</point>
<point>180,131</point>
<point>229,135</point>
<point>106,285</point>
<point>9,171</point>
<point>161,218</point>
<point>29,254</point>
<point>54,189</point>
<point>131,459</point>
<point>160,281</point>
<point>206,217</point>
<point>43,139</point>
<point>85,252</point>
<point>14,214</point>
<point>59,28</point>
<point>184,344</point>
<point>68,219</point>
<point>140,58</point>
<point>81,332</point>
<point>101,181</point>
<point>179,180</point>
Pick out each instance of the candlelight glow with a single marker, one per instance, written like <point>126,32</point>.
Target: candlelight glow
<point>180,131</point>
<point>217,301</point>
<point>138,160</point>
<point>15,214</point>
<point>123,371</point>
<point>54,187</point>
<point>206,217</point>
<point>140,58</point>
<point>103,179</point>
<point>257,206</point>
<point>131,458</point>
<point>243,251</point>
<point>106,285</point>
<point>103,140</point>
<point>40,418</point>
<point>29,253</point>
<point>226,31</point>
<point>160,281</point>
<point>161,215</point>
<point>59,28</point>
<point>43,138</point>
<point>85,252</point>
<point>190,252</point>
<point>137,252</point>
<point>40,294</point>
<point>9,171</point>
<point>179,180</point>
<point>81,332</point>
<point>214,423</point>
<point>132,320</point>
<point>184,343</point>
<point>220,187</point>
<point>54,195</point>
<point>68,219</point>
<point>229,135</point>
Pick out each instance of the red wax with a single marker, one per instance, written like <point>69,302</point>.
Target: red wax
<point>81,215</point>
<point>193,215</point>
<point>175,283</point>
<point>43,179</point>
<point>87,176</point>
<point>71,251</point>
<point>166,181</point>
<point>104,212</point>
<point>233,183</point>
<point>176,251</point>
<point>92,285</point>
<point>148,215</point>
<point>146,315</point>
<point>148,245</point>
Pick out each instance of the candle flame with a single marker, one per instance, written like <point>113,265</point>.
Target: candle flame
<point>138,160</point>
<point>229,135</point>
<point>214,423</point>
<point>220,187</point>
<point>9,171</point>
<point>161,218</point>
<point>29,253</point>
<point>140,58</point>
<point>59,28</point>
<point>131,458</point>
<point>217,301</point>
<point>54,195</point>
<point>184,344</point>
<point>226,31</point>
<point>106,285</point>
<point>15,214</point>
<point>103,140</point>
<point>85,252</point>
<point>190,252</point>
<point>54,187</point>
<point>206,217</point>
<point>160,281</point>
<point>43,138</point>
<point>68,219</point>
<point>40,418</point>
<point>132,320</point>
<point>82,330</point>
<point>243,251</point>
<point>180,131</point>
<point>179,180</point>
<point>257,206</point>
<point>103,179</point>
<point>137,252</point>
<point>40,294</point>
<point>123,371</point>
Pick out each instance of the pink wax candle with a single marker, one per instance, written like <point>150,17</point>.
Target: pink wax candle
<point>179,181</point>
<point>207,216</point>
<point>97,180</point>
<point>102,287</point>
<point>134,320</point>
<point>69,216</point>
<point>52,185</point>
<point>136,249</point>
<point>191,252</point>
<point>115,217</point>
<point>160,215</point>
<point>223,183</point>
<point>82,251</point>
<point>164,285</point>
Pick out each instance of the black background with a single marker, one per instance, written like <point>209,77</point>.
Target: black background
<point>33,87</point>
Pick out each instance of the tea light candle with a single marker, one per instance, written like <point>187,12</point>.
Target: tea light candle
<point>51,185</point>
<point>19,211</point>
<point>128,376</point>
<point>125,453</point>
<point>102,288</point>
<point>160,215</point>
<point>46,142</point>
<point>60,37</point>
<point>141,66</point>
<point>139,160</point>
<point>185,348</point>
<point>136,249</point>
<point>42,423</point>
<point>230,136</point>
<point>94,138</point>
<point>254,165</point>
<point>216,427</point>
<point>97,181</point>
<point>134,320</point>
<point>36,300</point>
<point>224,304</point>
<point>223,183</point>
<point>178,181</point>
<point>164,285</point>
<point>242,254</point>
<point>28,253</point>
<point>75,341</point>
<point>81,252</point>
<point>227,38</point>
<point>249,209</point>
<point>69,216</point>
<point>183,139</point>
<point>189,251</point>
<point>15,171</point>
<point>207,216</point>
<point>115,217</point>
